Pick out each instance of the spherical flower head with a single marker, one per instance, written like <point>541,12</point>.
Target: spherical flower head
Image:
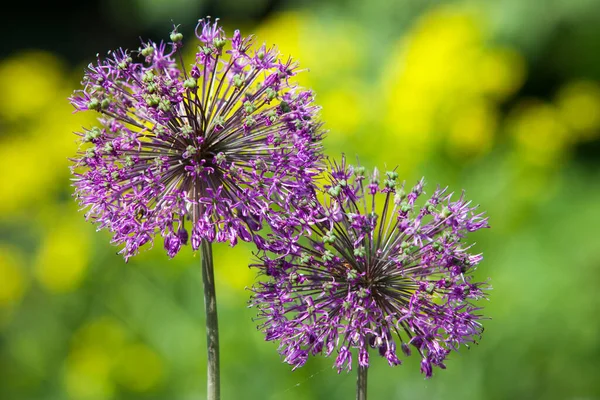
<point>374,267</point>
<point>197,152</point>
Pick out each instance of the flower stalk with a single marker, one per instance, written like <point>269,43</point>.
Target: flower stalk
<point>361,383</point>
<point>213,390</point>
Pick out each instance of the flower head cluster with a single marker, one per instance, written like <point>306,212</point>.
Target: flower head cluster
<point>193,153</point>
<point>371,269</point>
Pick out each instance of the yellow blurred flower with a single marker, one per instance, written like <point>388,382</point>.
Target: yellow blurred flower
<point>30,182</point>
<point>139,368</point>
<point>232,267</point>
<point>91,360</point>
<point>29,83</point>
<point>540,136</point>
<point>502,72</point>
<point>471,131</point>
<point>104,332</point>
<point>333,53</point>
<point>63,258</point>
<point>327,48</point>
<point>343,109</point>
<point>443,85</point>
<point>578,104</point>
<point>34,85</point>
<point>101,357</point>
<point>441,51</point>
<point>88,375</point>
<point>12,276</point>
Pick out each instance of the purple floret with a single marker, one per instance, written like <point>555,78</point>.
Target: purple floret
<point>363,265</point>
<point>193,152</point>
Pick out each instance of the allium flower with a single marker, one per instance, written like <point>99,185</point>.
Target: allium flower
<point>372,269</point>
<point>196,152</point>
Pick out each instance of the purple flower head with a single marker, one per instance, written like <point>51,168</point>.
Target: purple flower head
<point>371,267</point>
<point>193,153</point>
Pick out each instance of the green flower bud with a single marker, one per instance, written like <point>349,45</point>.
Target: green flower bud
<point>147,51</point>
<point>399,196</point>
<point>190,83</point>
<point>218,121</point>
<point>220,157</point>
<point>429,207</point>
<point>152,100</point>
<point>270,93</point>
<point>351,275</point>
<point>405,207</point>
<point>148,76</point>
<point>151,87</point>
<point>272,115</point>
<point>284,107</point>
<point>176,37</point>
<point>430,288</point>
<point>445,213</point>
<point>329,238</point>
<point>334,191</point>
<point>249,107</point>
<point>219,43</point>
<point>238,81</point>
<point>92,134</point>
<point>304,258</point>
<point>327,256</point>
<point>164,105</point>
<point>93,104</point>
<point>393,175</point>
<point>249,121</point>
<point>360,252</point>
<point>390,184</point>
<point>158,162</point>
<point>191,150</point>
<point>186,130</point>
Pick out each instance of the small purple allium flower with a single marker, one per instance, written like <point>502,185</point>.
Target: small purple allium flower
<point>193,153</point>
<point>372,269</point>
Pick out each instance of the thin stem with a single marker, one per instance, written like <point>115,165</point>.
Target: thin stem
<point>213,390</point>
<point>361,383</point>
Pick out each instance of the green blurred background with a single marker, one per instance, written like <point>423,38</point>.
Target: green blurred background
<point>501,98</point>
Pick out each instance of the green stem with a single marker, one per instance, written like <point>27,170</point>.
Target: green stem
<point>213,391</point>
<point>361,383</point>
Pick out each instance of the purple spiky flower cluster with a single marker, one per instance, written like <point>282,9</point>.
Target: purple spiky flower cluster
<point>368,265</point>
<point>193,153</point>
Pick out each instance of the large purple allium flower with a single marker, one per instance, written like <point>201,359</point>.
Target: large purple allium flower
<point>196,152</point>
<point>366,266</point>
